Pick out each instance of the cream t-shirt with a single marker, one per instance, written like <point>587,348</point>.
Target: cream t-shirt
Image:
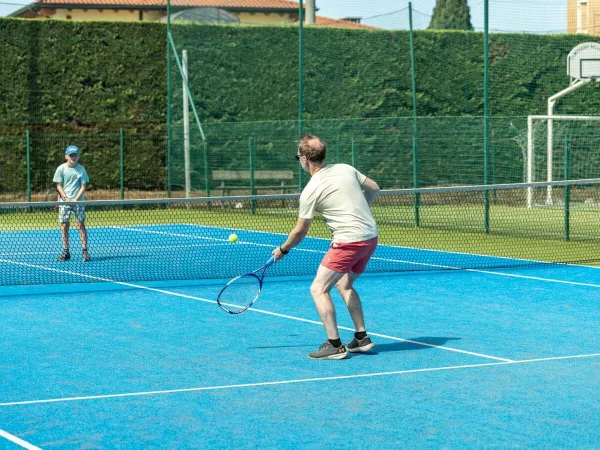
<point>335,192</point>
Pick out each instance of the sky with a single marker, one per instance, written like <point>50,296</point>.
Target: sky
<point>531,16</point>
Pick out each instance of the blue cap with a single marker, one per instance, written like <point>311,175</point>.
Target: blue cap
<point>72,149</point>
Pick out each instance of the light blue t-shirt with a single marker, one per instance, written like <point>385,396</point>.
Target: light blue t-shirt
<point>71,179</point>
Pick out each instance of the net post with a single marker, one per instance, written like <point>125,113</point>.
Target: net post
<point>567,192</point>
<point>122,161</point>
<point>28,158</point>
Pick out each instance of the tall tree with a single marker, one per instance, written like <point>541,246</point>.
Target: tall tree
<point>451,15</point>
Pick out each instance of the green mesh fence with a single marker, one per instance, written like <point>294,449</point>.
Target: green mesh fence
<point>403,103</point>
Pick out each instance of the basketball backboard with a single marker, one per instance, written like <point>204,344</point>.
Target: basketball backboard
<point>583,62</point>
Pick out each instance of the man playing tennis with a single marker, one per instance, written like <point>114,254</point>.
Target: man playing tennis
<point>342,195</point>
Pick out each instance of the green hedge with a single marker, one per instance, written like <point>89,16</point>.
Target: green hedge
<point>80,82</point>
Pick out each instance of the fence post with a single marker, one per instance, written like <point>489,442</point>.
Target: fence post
<point>206,171</point>
<point>415,137</point>
<point>486,109</point>
<point>300,81</point>
<point>122,161</point>
<point>252,189</point>
<point>567,190</point>
<point>28,158</point>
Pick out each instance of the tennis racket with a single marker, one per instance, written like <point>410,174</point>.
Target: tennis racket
<point>52,194</point>
<point>241,292</point>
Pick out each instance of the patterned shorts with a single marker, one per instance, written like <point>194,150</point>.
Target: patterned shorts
<point>64,213</point>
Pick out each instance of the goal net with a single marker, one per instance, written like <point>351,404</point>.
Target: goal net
<point>560,148</point>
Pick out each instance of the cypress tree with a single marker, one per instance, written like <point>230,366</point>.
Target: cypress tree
<point>451,15</point>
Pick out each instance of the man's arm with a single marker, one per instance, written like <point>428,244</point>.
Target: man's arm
<point>370,189</point>
<point>294,238</point>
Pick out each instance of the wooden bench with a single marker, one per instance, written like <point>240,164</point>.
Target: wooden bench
<point>260,176</point>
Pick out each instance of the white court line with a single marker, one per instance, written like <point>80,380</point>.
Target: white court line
<point>260,311</point>
<point>296,381</point>
<point>18,441</point>
<point>529,277</point>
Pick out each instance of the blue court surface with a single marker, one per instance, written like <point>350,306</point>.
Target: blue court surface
<point>463,359</point>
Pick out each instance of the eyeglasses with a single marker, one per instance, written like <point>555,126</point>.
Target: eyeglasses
<point>298,157</point>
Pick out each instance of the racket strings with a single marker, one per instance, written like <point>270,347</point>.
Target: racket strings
<point>240,293</point>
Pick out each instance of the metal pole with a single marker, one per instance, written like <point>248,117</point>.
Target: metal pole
<point>310,12</point>
<point>415,137</point>
<point>206,172</point>
<point>486,112</point>
<point>186,126</point>
<point>300,80</point>
<point>122,161</point>
<point>567,190</point>
<point>530,156</point>
<point>169,118</point>
<point>252,187</point>
<point>28,157</point>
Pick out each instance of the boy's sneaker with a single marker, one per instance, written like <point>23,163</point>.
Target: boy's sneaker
<point>358,346</point>
<point>64,256</point>
<point>328,351</point>
<point>86,256</point>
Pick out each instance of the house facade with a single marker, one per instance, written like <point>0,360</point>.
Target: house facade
<point>250,12</point>
<point>583,17</point>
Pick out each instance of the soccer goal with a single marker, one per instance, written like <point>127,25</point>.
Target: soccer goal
<point>561,147</point>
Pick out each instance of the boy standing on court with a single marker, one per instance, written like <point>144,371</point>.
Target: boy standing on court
<point>342,195</point>
<point>71,180</point>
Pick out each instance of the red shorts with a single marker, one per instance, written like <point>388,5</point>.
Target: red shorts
<point>344,257</point>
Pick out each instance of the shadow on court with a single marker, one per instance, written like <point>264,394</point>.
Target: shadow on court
<point>382,348</point>
<point>408,346</point>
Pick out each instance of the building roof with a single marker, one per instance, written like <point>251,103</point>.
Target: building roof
<point>233,5</point>
<point>340,23</point>
<point>279,5</point>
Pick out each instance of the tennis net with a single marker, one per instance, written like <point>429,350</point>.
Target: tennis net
<point>463,227</point>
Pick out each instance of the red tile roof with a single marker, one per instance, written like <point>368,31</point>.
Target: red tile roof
<point>245,4</point>
<point>339,23</point>
<point>280,5</point>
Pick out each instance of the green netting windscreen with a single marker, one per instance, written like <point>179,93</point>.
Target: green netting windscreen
<point>103,86</point>
<point>357,94</point>
<point>94,85</point>
<point>239,78</point>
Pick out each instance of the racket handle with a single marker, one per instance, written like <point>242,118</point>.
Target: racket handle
<point>270,262</point>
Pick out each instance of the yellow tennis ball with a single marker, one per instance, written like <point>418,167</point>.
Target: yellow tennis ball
<point>233,238</point>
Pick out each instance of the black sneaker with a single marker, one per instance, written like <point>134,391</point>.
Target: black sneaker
<point>328,351</point>
<point>86,256</point>
<point>64,256</point>
<point>360,346</point>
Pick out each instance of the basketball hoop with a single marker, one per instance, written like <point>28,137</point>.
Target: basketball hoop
<point>583,62</point>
